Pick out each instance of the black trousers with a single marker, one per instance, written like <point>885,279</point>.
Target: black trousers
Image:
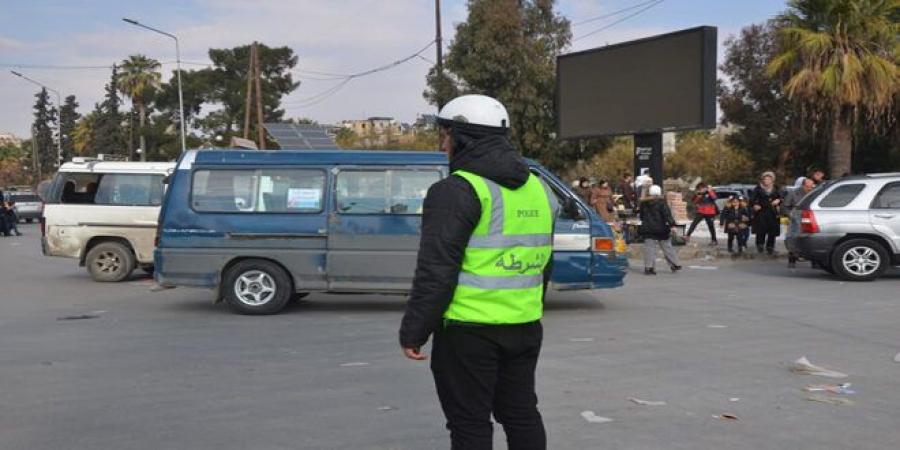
<point>480,370</point>
<point>710,222</point>
<point>767,239</point>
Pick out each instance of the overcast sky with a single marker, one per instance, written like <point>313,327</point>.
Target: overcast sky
<point>334,36</point>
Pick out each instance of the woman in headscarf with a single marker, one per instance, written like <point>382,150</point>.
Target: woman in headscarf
<point>765,200</point>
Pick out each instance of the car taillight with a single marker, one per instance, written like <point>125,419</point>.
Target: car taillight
<point>808,222</point>
<point>603,244</point>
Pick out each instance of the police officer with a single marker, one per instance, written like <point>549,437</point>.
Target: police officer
<point>483,261</point>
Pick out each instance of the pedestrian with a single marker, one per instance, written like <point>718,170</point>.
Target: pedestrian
<point>705,209</point>
<point>744,235</point>
<point>791,203</point>
<point>4,227</point>
<point>601,200</point>
<point>484,259</point>
<point>626,188</point>
<point>657,226</point>
<point>817,176</point>
<point>766,202</point>
<point>584,189</point>
<point>12,219</point>
<point>735,219</point>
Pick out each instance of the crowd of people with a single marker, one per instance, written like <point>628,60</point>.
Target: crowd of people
<point>759,213</point>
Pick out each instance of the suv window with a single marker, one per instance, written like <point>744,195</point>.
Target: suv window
<point>258,190</point>
<point>129,189</point>
<point>841,196</point>
<point>888,198</point>
<point>383,191</point>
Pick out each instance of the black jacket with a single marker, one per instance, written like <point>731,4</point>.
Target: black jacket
<point>450,213</point>
<point>736,216</point>
<point>765,220</point>
<point>656,218</point>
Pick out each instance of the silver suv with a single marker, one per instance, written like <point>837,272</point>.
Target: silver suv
<point>851,227</point>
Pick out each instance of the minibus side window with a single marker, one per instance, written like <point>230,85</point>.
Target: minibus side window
<point>258,190</point>
<point>384,191</point>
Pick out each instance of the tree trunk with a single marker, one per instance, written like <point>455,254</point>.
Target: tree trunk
<point>785,153</point>
<point>839,158</point>
<point>142,111</point>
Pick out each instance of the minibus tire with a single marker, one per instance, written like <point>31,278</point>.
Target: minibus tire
<point>267,275</point>
<point>109,262</point>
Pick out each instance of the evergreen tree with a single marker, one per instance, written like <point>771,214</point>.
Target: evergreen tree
<point>68,117</point>
<point>507,49</point>
<point>109,137</point>
<point>44,124</point>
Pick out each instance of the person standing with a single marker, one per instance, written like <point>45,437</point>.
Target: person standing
<point>766,201</point>
<point>705,209</point>
<point>791,203</point>
<point>734,219</point>
<point>626,188</point>
<point>657,225</point>
<point>817,176</point>
<point>483,261</point>
<point>601,200</point>
<point>12,219</point>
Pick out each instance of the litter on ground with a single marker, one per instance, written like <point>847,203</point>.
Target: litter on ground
<point>647,402</point>
<point>726,416</point>
<point>582,339</point>
<point>804,367</point>
<point>832,388</point>
<point>354,364</point>
<point>734,399</point>
<point>704,267</point>
<point>716,326</point>
<point>593,418</point>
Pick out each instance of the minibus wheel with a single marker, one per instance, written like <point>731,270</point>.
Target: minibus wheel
<point>109,262</point>
<point>256,287</point>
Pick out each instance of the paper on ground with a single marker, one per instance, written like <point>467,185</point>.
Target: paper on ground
<point>804,367</point>
<point>593,418</point>
<point>647,402</point>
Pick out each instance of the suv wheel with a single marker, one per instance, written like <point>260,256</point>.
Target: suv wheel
<point>109,262</point>
<point>256,287</point>
<point>859,260</point>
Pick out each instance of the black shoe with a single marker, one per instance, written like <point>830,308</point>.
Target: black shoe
<point>759,250</point>
<point>649,271</point>
<point>675,268</point>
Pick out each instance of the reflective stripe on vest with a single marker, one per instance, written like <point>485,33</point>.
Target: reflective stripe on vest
<point>501,280</point>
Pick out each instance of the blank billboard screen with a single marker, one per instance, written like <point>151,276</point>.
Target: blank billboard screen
<point>662,83</point>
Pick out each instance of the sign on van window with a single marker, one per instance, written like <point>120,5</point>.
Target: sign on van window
<point>384,191</point>
<point>258,190</point>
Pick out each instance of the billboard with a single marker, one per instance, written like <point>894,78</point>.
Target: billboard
<point>661,83</point>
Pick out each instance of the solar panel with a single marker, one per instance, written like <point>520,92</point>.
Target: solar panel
<point>300,136</point>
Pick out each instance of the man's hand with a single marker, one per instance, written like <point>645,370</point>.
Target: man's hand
<point>757,207</point>
<point>415,354</point>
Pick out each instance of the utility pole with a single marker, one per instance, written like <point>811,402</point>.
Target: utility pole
<point>249,92</point>
<point>35,161</point>
<point>439,62</point>
<point>260,131</point>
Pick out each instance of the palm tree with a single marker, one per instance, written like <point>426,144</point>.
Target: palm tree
<point>83,134</point>
<point>839,58</point>
<point>139,77</point>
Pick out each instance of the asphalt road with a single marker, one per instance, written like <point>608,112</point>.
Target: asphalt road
<point>171,370</point>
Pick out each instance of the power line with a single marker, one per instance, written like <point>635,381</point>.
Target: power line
<point>611,14</point>
<point>321,96</point>
<point>614,23</point>
<point>51,66</point>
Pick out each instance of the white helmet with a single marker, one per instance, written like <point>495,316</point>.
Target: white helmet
<point>476,110</point>
<point>655,190</point>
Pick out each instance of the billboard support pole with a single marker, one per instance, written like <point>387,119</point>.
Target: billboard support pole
<point>648,156</point>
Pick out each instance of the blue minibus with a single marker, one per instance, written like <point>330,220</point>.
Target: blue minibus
<point>262,227</point>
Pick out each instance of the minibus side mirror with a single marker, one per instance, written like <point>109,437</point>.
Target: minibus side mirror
<point>571,209</point>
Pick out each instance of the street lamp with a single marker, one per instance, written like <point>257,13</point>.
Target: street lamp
<point>59,157</point>
<point>177,71</point>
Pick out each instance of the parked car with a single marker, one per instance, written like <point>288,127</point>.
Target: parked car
<point>104,215</point>
<point>28,205</point>
<point>851,227</point>
<point>295,222</point>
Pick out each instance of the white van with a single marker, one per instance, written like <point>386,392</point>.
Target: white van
<point>104,214</point>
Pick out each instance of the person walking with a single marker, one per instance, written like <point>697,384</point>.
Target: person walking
<point>4,226</point>
<point>657,225</point>
<point>705,210</point>
<point>626,188</point>
<point>734,219</point>
<point>483,263</point>
<point>766,201</point>
<point>791,203</point>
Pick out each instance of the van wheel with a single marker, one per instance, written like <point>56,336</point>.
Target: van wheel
<point>256,287</point>
<point>109,262</point>
<point>147,269</point>
<point>859,260</point>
